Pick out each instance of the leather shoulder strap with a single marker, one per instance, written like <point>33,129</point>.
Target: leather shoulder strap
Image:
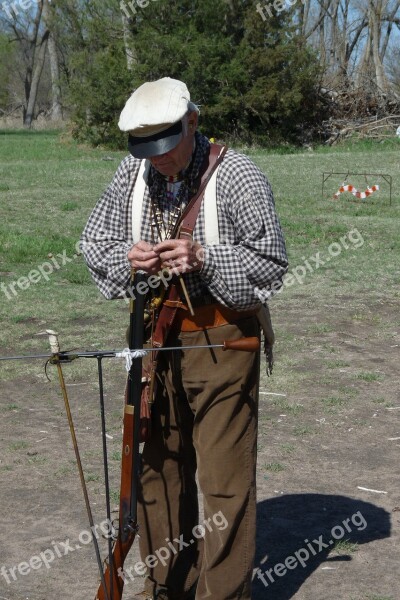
<point>188,219</point>
<point>186,225</point>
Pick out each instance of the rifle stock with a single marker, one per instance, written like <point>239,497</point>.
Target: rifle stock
<point>114,575</point>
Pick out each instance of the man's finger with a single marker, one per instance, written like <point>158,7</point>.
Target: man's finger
<point>136,254</point>
<point>149,266</point>
<point>171,256</point>
<point>142,245</point>
<point>168,245</point>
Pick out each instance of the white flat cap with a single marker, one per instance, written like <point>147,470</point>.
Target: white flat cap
<point>153,115</point>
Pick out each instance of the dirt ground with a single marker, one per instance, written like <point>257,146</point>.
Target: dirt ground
<point>332,431</point>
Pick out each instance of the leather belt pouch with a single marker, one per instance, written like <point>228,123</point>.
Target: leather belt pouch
<point>206,317</point>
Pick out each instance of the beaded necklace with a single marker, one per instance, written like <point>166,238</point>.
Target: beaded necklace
<point>164,221</point>
<point>170,195</point>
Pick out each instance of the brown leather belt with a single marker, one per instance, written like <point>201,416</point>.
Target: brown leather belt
<point>212,315</point>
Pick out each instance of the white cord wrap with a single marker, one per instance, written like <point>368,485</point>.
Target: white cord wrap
<point>129,355</point>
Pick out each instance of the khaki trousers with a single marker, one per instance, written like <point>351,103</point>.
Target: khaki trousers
<point>204,421</point>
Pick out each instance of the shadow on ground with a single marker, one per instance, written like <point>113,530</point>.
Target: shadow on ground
<point>304,527</point>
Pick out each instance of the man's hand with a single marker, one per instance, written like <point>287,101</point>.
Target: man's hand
<point>142,256</point>
<point>183,256</point>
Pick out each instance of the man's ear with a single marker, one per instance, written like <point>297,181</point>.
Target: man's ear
<point>192,121</point>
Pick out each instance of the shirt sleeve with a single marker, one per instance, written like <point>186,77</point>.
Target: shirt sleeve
<point>247,267</point>
<point>105,240</point>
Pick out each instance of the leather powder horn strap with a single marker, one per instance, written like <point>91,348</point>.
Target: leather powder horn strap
<point>184,228</point>
<point>167,316</point>
<point>187,222</point>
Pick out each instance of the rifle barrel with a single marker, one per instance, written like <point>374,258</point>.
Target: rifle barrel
<point>252,345</point>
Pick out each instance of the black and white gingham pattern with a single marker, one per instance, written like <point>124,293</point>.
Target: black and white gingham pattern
<point>241,271</point>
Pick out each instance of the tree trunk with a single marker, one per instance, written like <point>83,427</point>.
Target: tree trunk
<point>56,106</point>
<point>33,40</point>
<point>41,55</point>
<point>363,68</point>
<point>344,44</point>
<point>390,20</point>
<point>303,12</point>
<point>322,41</point>
<point>335,41</point>
<point>376,15</point>
<point>131,58</point>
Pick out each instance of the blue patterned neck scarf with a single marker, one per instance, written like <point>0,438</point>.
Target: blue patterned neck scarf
<point>190,176</point>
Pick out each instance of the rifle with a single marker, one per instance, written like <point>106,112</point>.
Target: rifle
<point>112,576</point>
<point>128,527</point>
<point>112,580</point>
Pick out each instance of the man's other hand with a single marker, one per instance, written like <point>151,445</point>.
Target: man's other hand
<point>184,256</point>
<point>142,256</point>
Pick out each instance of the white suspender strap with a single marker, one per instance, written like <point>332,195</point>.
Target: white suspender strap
<point>211,211</point>
<point>137,200</point>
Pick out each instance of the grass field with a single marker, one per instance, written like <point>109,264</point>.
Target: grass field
<point>48,187</point>
<point>328,418</point>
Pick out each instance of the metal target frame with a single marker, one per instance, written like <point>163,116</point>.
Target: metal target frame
<point>386,177</point>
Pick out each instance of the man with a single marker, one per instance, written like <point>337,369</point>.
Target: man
<point>204,417</point>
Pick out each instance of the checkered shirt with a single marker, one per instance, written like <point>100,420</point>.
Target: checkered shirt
<point>243,270</point>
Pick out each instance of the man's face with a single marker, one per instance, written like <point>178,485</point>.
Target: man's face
<point>174,161</point>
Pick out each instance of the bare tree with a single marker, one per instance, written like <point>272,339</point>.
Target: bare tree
<point>375,27</point>
<point>131,57</point>
<point>31,29</point>
<point>28,31</point>
<point>394,69</point>
<point>352,38</point>
<point>37,67</point>
<point>56,104</point>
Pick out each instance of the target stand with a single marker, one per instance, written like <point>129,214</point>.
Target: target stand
<point>343,187</point>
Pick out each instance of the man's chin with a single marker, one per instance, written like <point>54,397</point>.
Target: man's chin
<point>166,172</point>
<point>168,169</point>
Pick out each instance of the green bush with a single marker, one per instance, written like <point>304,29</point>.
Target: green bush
<point>255,80</point>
